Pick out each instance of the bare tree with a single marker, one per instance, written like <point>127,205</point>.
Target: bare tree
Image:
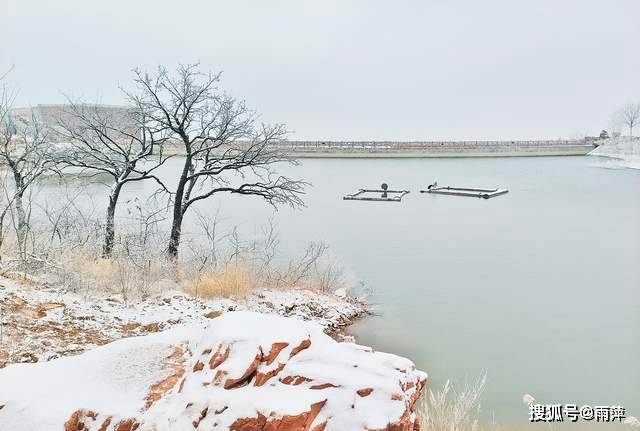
<point>123,147</point>
<point>630,116</point>
<point>67,224</point>
<point>26,153</point>
<point>209,227</point>
<point>5,73</point>
<point>6,205</point>
<point>224,149</point>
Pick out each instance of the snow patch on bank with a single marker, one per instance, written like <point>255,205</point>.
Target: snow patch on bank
<point>113,378</point>
<point>41,323</point>
<point>622,152</point>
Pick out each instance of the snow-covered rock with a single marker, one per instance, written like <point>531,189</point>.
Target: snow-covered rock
<point>245,372</point>
<point>624,150</point>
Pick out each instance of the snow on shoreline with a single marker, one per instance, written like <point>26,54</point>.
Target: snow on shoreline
<point>242,371</point>
<point>623,151</point>
<point>42,323</point>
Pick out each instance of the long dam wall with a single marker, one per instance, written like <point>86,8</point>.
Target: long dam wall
<point>418,149</point>
<point>50,114</point>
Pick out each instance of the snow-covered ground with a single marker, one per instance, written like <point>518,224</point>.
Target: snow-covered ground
<point>621,152</point>
<point>242,371</point>
<point>40,323</point>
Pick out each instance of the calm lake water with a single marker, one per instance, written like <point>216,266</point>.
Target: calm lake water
<point>539,287</point>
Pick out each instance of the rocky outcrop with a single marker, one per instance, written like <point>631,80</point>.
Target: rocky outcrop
<point>42,322</point>
<point>245,372</point>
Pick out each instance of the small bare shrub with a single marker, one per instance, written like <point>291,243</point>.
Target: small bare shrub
<point>450,410</point>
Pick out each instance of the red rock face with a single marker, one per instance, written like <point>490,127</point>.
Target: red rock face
<point>249,382</point>
<point>175,364</point>
<point>87,420</point>
<point>300,422</point>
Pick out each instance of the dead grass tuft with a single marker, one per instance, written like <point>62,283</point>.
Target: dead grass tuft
<point>451,410</point>
<point>232,282</point>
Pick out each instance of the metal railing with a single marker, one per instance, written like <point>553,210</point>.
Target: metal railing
<point>419,145</point>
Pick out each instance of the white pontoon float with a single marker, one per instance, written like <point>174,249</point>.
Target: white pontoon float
<point>474,192</point>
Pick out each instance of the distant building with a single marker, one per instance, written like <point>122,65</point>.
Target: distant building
<point>50,115</point>
<point>597,140</point>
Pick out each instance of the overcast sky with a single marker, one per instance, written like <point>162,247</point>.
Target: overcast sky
<point>339,69</point>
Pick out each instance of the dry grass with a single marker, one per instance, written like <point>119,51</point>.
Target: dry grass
<point>97,269</point>
<point>226,266</point>
<point>79,270</point>
<point>232,282</point>
<point>451,410</point>
<point>82,270</point>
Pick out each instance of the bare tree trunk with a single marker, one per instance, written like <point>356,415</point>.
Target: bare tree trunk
<point>22,224</point>
<point>174,239</point>
<point>1,235</point>
<point>178,212</point>
<point>109,229</point>
<point>21,228</point>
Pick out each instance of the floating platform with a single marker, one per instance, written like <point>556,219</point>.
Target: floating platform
<point>474,192</point>
<point>382,195</point>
